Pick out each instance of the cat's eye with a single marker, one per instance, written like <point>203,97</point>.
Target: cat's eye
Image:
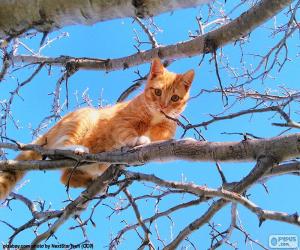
<point>157,92</point>
<point>175,98</point>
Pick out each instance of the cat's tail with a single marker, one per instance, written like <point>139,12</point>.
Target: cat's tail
<point>9,179</point>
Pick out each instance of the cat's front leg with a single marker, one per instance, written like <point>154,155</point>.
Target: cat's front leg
<point>127,136</point>
<point>66,143</point>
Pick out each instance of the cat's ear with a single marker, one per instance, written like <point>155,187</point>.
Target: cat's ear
<point>188,78</point>
<point>157,68</point>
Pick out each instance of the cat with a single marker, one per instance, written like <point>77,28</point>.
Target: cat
<point>136,122</point>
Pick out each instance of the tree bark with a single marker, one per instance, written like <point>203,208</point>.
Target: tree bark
<point>278,148</point>
<point>19,16</point>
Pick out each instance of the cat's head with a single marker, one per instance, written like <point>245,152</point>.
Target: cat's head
<point>167,91</point>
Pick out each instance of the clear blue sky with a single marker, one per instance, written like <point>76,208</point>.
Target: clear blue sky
<point>115,39</point>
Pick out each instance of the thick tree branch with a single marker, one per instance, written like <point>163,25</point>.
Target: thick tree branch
<point>7,165</point>
<point>278,148</point>
<point>206,43</point>
<point>17,17</point>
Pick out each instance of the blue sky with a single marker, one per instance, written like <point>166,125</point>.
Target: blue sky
<point>116,39</point>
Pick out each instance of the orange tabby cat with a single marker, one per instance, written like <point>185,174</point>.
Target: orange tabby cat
<point>136,122</point>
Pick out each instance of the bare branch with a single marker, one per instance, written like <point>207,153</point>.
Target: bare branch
<point>147,240</point>
<point>188,149</point>
<point>263,165</point>
<point>45,17</point>
<point>207,43</point>
<point>80,203</point>
<point>148,32</point>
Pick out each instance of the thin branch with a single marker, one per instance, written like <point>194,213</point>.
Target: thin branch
<point>80,203</point>
<point>148,32</point>
<point>151,219</point>
<point>262,166</point>
<point>229,230</point>
<point>203,191</point>
<point>5,65</point>
<point>147,232</point>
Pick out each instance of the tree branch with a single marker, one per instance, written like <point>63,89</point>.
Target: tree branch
<point>203,191</point>
<point>80,203</point>
<point>45,16</point>
<point>206,43</point>
<point>263,165</point>
<point>278,148</point>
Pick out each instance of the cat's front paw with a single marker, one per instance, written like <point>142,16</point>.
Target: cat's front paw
<point>141,140</point>
<point>78,149</point>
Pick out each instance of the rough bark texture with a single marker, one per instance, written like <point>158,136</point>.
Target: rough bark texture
<point>277,148</point>
<point>206,43</point>
<point>45,15</point>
